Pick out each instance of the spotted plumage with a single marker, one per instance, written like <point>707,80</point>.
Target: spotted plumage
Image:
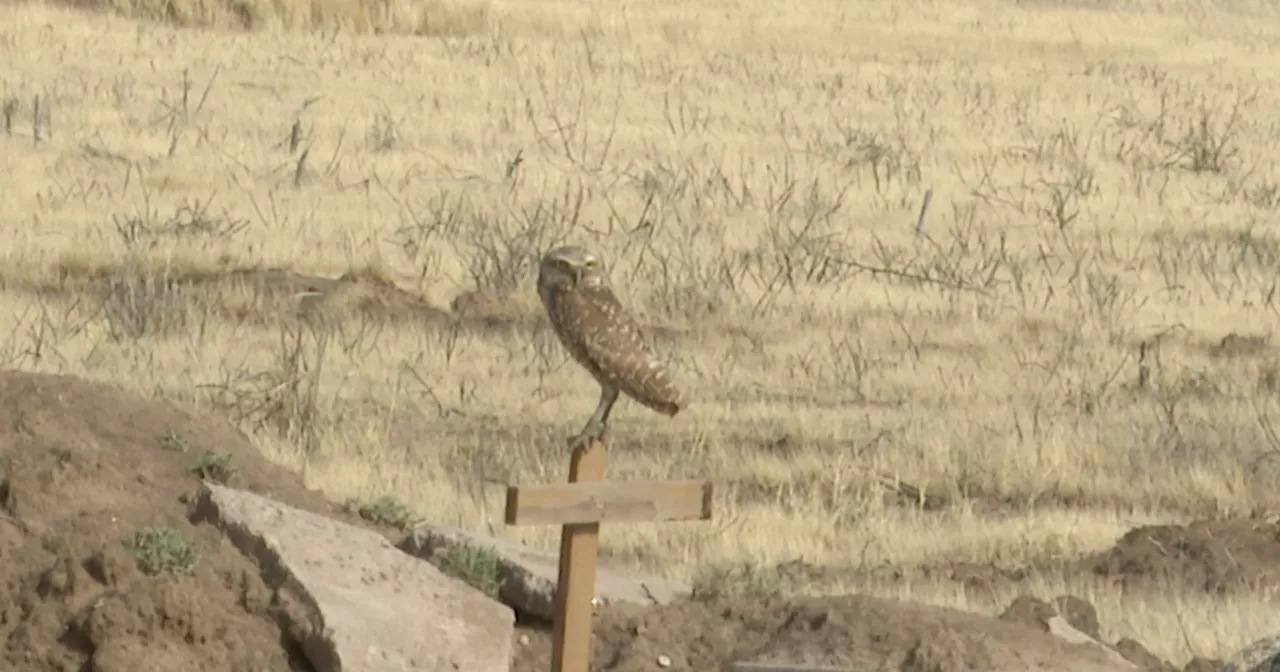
<point>602,337</point>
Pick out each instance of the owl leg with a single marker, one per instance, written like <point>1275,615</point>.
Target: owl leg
<point>595,427</point>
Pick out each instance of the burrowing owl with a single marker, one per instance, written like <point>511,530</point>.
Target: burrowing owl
<point>602,337</point>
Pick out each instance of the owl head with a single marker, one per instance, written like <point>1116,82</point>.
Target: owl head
<point>567,267</point>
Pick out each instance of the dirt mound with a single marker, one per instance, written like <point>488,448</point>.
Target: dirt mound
<point>250,294</point>
<point>497,310</point>
<point>1218,556</point>
<point>84,470</point>
<point>855,632</point>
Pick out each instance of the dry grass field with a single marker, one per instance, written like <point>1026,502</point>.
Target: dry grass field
<point>1073,341</point>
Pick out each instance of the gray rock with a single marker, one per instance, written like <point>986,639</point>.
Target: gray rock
<point>528,574</point>
<point>353,600</point>
<point>1260,656</point>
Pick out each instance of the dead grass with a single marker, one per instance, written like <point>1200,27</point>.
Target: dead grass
<point>1041,356</point>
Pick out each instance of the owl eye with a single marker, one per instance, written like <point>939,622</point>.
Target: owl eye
<point>590,263</point>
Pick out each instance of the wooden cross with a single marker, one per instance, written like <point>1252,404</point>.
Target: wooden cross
<point>580,506</point>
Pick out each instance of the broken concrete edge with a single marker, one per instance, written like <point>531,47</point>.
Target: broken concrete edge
<point>306,628</point>
<point>519,587</point>
<point>527,575</point>
<point>1060,628</point>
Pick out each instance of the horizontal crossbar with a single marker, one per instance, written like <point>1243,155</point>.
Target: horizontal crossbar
<point>611,501</point>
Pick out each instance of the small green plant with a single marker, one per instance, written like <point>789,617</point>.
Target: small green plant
<point>385,510</point>
<point>478,566</point>
<point>160,549</point>
<point>742,579</point>
<point>214,467</point>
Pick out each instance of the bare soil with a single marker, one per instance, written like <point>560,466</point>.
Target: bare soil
<point>848,632</point>
<point>85,466</point>
<point>843,632</point>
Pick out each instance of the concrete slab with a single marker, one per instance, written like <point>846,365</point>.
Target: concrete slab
<point>355,602</point>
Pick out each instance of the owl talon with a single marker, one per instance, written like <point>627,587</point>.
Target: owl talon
<point>585,438</point>
<point>576,443</point>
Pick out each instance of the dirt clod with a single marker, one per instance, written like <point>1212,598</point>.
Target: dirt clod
<point>1138,654</point>
<point>1079,613</point>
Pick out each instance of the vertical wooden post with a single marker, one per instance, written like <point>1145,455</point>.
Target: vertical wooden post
<point>576,586</point>
<point>578,507</point>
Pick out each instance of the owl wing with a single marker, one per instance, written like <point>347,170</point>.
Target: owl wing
<point>611,341</point>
